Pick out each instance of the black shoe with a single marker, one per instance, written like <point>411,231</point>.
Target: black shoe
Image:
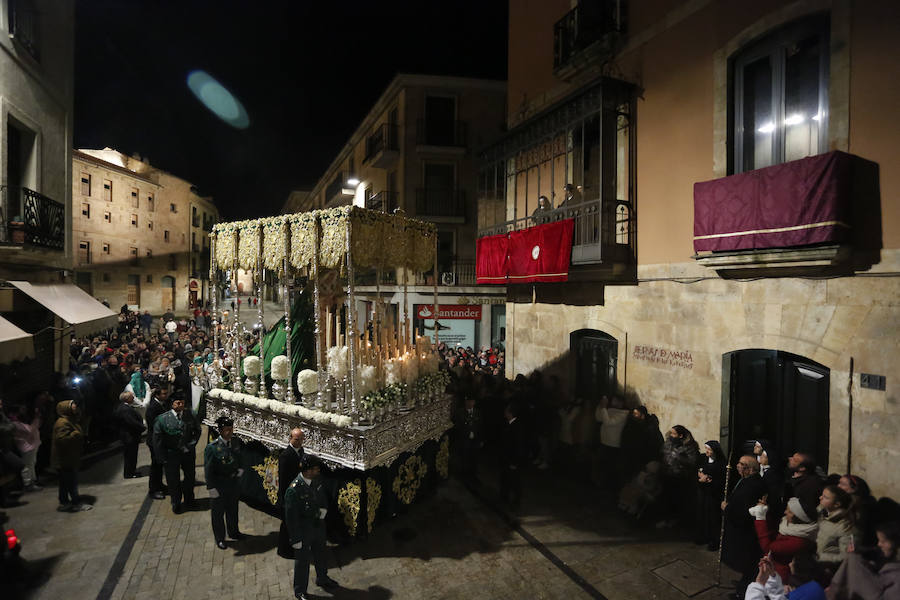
<point>177,509</point>
<point>221,545</point>
<point>191,504</point>
<point>157,495</point>
<point>327,582</point>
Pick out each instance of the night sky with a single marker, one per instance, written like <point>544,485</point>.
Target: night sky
<point>306,72</point>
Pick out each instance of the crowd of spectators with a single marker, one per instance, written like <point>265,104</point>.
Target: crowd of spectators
<point>490,361</point>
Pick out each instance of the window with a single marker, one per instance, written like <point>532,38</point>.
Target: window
<point>22,151</point>
<point>151,206</point>
<point>25,27</point>
<point>134,220</point>
<point>86,210</point>
<point>107,190</point>
<point>780,96</point>
<point>105,247</point>
<point>166,235</point>
<point>149,278</point>
<point>107,216</point>
<point>173,262</point>
<point>106,277</point>
<point>149,253</point>
<point>150,225</point>
<point>85,184</point>
<point>193,240</point>
<point>133,251</point>
<point>172,208</point>
<point>84,252</point>
<point>135,198</point>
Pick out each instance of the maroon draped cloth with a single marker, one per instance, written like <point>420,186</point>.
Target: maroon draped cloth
<point>491,258</point>
<point>797,203</point>
<point>537,254</point>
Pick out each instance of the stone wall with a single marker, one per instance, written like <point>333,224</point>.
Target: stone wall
<point>696,317</point>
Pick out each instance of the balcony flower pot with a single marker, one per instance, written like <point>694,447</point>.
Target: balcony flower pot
<point>16,231</point>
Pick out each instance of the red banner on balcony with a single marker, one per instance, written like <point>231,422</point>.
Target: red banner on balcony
<point>491,259</point>
<point>797,203</point>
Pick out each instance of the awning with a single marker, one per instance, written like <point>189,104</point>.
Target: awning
<point>71,304</point>
<point>15,344</point>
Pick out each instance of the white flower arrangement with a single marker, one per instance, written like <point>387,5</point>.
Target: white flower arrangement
<point>281,367</point>
<point>307,381</point>
<point>368,380</point>
<point>323,418</point>
<point>337,361</point>
<point>251,366</point>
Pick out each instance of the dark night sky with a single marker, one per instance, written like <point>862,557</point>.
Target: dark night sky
<point>307,73</point>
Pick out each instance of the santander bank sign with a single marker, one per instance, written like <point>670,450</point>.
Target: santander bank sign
<point>450,311</point>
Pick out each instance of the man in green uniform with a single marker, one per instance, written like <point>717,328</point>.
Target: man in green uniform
<point>175,434</point>
<point>222,466</point>
<point>305,507</point>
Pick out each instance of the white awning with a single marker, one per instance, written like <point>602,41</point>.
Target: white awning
<point>15,344</point>
<point>71,304</point>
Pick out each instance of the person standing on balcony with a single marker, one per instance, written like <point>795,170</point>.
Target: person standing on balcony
<point>544,206</point>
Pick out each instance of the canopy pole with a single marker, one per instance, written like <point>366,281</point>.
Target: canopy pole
<point>260,278</point>
<point>286,301</point>
<point>317,309</point>
<point>351,324</point>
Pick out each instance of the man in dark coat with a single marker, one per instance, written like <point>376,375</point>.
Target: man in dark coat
<point>130,427</point>
<point>157,405</point>
<point>305,507</point>
<point>288,468</point>
<point>222,468</point>
<point>175,434</point>
<point>469,439</point>
<point>642,442</point>
<point>740,547</point>
<point>803,482</point>
<point>513,456</point>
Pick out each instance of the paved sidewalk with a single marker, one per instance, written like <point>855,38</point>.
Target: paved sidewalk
<point>454,544</point>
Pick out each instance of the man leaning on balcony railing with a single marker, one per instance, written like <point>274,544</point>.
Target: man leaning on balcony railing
<point>572,195</point>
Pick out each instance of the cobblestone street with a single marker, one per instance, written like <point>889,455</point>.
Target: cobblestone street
<point>454,544</point>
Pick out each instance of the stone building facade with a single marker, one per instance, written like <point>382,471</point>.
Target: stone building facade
<point>798,344</point>
<point>415,152</point>
<point>140,235</point>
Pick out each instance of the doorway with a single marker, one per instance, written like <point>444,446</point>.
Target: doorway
<point>596,358</point>
<point>775,396</point>
<point>168,293</point>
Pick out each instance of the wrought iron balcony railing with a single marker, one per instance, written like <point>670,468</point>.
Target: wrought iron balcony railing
<point>382,140</point>
<point>437,202</point>
<point>383,201</point>
<point>590,22</point>
<point>24,26</point>
<point>39,220</point>
<point>457,272</point>
<point>441,133</point>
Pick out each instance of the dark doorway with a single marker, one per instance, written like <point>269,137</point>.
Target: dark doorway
<point>778,397</point>
<point>596,356</point>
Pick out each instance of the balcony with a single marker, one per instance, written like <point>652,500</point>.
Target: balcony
<point>33,219</point>
<point>195,221</point>
<point>818,215</point>
<point>208,225</point>
<point>449,204</point>
<point>604,231</point>
<point>587,35</point>
<point>339,191</point>
<point>382,149</point>
<point>456,273</point>
<point>383,201</point>
<point>435,135</point>
<point>24,27</point>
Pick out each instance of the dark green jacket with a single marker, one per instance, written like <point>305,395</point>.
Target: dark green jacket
<point>222,462</point>
<point>171,434</point>
<point>301,511</point>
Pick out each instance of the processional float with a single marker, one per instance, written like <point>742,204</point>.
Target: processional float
<point>376,392</point>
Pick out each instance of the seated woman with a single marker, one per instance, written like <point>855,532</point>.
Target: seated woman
<point>836,526</point>
<point>796,534</point>
<point>862,506</point>
<point>857,579</point>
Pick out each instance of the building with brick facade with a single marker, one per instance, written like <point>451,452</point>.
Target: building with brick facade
<point>730,173</point>
<point>140,235</point>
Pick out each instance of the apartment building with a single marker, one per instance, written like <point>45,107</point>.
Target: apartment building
<point>415,152</point>
<point>140,235</point>
<point>727,174</point>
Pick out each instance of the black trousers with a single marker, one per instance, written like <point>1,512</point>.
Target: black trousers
<point>68,486</point>
<point>179,487</point>
<point>510,485</point>
<point>314,550</point>
<point>130,454</point>
<point>156,472</point>
<point>224,511</point>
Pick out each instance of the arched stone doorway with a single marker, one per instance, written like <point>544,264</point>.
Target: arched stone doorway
<point>167,283</point>
<point>776,396</point>
<point>596,356</point>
